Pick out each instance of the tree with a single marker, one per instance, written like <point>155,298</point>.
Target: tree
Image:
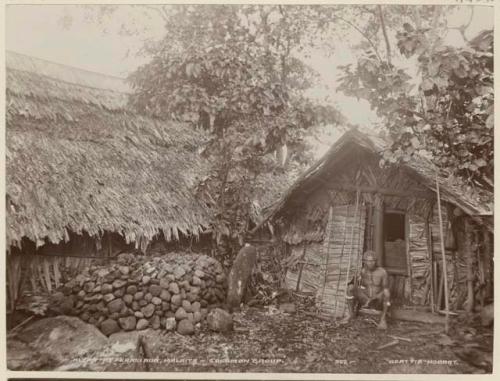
<point>232,70</point>
<point>444,113</point>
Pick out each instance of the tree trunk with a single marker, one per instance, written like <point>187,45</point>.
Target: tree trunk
<point>384,31</point>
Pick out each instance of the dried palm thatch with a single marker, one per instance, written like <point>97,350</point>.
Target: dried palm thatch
<point>478,203</point>
<point>79,160</point>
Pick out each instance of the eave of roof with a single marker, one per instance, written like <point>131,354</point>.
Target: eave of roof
<point>420,166</point>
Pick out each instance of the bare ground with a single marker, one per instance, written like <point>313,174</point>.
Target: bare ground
<point>278,342</point>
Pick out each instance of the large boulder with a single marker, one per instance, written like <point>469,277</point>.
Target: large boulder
<point>219,320</point>
<point>240,274</point>
<point>62,338</point>
<point>21,356</point>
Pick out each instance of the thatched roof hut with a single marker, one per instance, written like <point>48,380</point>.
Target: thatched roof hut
<point>79,160</point>
<point>346,204</point>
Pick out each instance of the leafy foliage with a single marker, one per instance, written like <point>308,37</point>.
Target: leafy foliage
<point>231,70</point>
<point>446,114</point>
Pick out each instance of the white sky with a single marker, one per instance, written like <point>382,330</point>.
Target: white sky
<point>36,30</point>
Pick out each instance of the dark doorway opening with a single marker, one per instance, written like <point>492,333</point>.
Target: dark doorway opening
<point>394,228</point>
<point>395,243</point>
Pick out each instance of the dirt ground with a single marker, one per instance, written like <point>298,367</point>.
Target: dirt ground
<point>267,341</point>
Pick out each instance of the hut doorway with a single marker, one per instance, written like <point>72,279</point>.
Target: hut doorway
<point>395,250</point>
<point>395,242</point>
<point>387,233</point>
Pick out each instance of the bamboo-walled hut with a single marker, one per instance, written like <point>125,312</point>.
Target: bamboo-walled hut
<point>85,175</point>
<point>346,203</point>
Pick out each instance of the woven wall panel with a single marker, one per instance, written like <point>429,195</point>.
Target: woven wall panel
<point>346,241</point>
<point>420,259</point>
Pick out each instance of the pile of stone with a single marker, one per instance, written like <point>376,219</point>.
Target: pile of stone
<point>173,291</point>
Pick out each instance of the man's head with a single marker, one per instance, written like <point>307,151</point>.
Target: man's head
<point>370,258</point>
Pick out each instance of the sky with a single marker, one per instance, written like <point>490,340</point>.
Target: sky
<point>62,34</point>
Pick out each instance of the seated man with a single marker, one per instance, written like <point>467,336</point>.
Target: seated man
<point>371,287</point>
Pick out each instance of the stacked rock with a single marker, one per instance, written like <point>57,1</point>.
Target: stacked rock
<point>174,291</point>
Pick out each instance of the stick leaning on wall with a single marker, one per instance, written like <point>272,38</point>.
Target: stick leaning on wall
<point>443,253</point>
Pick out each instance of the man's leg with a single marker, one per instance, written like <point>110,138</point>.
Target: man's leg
<point>355,297</point>
<point>386,303</point>
<point>363,298</point>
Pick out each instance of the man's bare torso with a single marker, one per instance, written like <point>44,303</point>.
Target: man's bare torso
<point>374,281</point>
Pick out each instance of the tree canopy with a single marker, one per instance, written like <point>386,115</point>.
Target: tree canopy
<point>238,72</point>
<point>234,71</point>
<point>445,111</point>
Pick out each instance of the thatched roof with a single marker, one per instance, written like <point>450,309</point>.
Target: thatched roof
<point>79,160</point>
<point>478,203</point>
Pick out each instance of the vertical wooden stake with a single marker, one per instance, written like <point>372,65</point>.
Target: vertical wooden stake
<point>369,227</point>
<point>409,262</point>
<point>487,263</point>
<point>379,228</point>
<point>469,262</point>
<point>430,253</point>
<point>328,237</point>
<point>303,257</point>
<point>440,292</point>
<point>445,273</point>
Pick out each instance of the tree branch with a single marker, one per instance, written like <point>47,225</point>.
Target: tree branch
<point>464,27</point>
<point>384,31</point>
<point>363,34</point>
<point>416,15</point>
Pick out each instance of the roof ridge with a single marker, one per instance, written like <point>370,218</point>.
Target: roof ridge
<point>8,51</point>
<point>79,76</point>
<point>48,77</point>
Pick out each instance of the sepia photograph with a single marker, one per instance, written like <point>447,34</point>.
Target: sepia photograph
<point>255,189</point>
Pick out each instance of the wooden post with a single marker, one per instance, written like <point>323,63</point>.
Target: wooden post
<point>487,263</point>
<point>428,241</point>
<point>435,268</point>
<point>297,288</point>
<point>409,262</point>
<point>369,227</point>
<point>445,274</point>
<point>469,261</point>
<point>356,210</point>
<point>327,242</point>
<point>440,292</point>
<point>378,220</point>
